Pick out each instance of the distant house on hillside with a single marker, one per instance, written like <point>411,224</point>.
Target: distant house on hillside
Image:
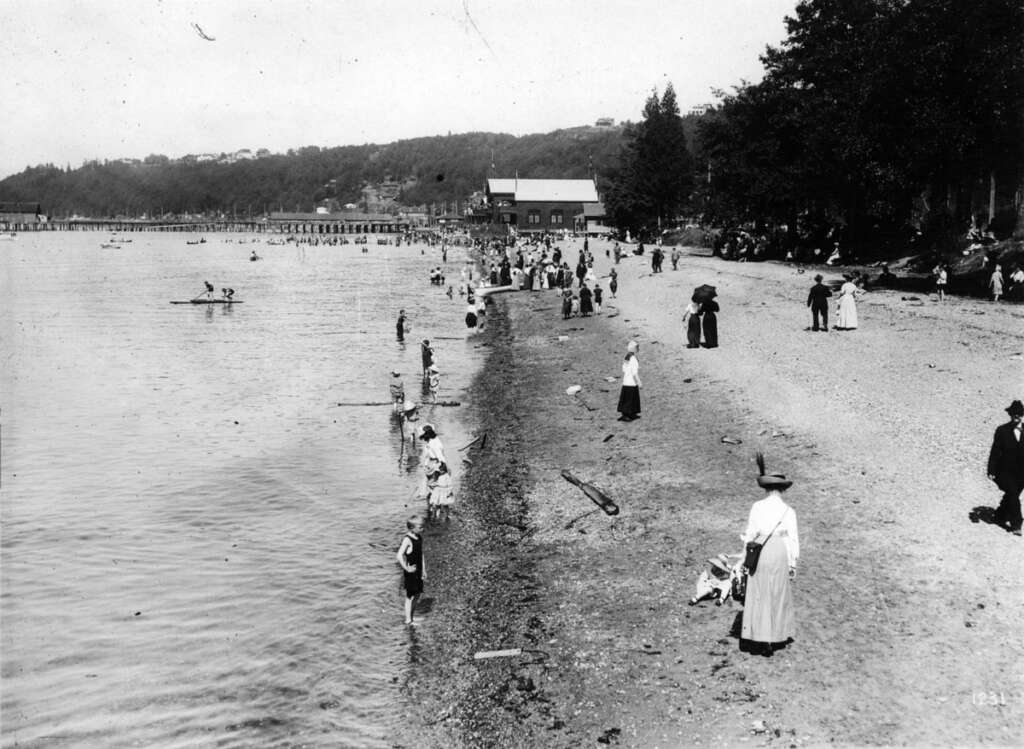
<point>537,205</point>
<point>13,215</point>
<point>605,122</point>
<point>700,109</point>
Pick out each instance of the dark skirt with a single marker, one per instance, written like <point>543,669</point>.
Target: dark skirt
<point>693,331</point>
<point>629,400</point>
<point>710,330</point>
<point>470,320</point>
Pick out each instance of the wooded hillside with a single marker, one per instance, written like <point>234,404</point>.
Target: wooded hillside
<point>432,170</point>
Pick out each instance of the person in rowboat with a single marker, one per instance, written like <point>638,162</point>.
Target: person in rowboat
<point>209,289</point>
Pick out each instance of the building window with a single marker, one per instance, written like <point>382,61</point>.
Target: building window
<point>556,217</point>
<point>533,217</point>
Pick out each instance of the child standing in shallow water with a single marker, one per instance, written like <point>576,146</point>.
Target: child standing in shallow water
<point>414,570</point>
<point>434,382</point>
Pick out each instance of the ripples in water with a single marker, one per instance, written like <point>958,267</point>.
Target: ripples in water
<point>198,542</point>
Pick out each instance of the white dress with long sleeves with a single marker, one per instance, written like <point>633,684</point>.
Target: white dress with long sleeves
<point>848,293</point>
<point>768,612</point>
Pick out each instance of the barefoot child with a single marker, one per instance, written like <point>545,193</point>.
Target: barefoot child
<point>414,571</point>
<point>434,382</point>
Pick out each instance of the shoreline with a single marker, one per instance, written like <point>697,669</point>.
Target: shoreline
<point>890,584</point>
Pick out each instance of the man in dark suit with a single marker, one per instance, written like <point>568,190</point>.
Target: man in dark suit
<point>1006,467</point>
<point>817,300</point>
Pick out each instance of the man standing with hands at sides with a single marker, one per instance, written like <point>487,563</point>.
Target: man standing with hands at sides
<point>817,300</point>
<point>1006,467</point>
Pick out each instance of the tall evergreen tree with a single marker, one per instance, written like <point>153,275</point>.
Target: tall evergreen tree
<point>655,175</point>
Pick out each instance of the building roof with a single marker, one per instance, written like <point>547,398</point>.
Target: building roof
<point>593,210</point>
<point>547,190</point>
<point>20,208</point>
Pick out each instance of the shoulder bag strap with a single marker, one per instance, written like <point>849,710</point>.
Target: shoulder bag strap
<point>781,518</point>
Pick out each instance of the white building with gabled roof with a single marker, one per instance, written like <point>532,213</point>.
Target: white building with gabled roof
<point>538,205</point>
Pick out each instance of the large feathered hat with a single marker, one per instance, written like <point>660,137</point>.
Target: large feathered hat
<point>771,480</point>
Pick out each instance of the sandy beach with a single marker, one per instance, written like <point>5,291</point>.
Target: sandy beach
<point>909,614</point>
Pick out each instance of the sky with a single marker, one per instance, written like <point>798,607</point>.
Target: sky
<point>111,79</point>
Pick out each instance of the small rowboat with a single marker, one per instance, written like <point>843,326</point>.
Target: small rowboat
<point>210,301</point>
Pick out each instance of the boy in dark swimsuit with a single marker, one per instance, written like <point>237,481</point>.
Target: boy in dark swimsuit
<point>414,570</point>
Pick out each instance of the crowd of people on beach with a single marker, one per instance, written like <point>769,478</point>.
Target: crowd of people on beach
<point>762,576</point>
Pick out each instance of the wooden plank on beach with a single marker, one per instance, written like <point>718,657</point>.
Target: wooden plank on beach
<point>597,496</point>
<point>496,653</point>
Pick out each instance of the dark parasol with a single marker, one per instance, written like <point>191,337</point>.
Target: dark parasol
<point>704,293</point>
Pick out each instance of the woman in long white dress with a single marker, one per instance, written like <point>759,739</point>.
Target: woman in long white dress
<point>849,293</point>
<point>769,620</point>
<point>437,481</point>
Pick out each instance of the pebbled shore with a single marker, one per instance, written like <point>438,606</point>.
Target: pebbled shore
<point>909,615</point>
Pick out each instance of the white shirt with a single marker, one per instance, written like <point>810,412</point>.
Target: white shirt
<point>631,372</point>
<point>764,514</point>
<point>433,454</point>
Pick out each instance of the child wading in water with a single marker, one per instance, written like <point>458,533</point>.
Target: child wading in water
<point>433,382</point>
<point>414,571</point>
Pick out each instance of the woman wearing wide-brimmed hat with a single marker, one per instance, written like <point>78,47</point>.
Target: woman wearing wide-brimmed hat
<point>629,395</point>
<point>437,486</point>
<point>769,620</point>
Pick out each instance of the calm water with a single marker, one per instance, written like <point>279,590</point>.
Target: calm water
<point>197,541</point>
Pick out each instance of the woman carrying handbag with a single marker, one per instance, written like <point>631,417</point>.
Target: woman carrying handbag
<point>769,621</point>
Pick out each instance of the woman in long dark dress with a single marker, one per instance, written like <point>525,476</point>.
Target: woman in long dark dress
<point>710,323</point>
<point>586,301</point>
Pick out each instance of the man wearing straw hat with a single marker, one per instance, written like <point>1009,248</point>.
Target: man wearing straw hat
<point>1006,467</point>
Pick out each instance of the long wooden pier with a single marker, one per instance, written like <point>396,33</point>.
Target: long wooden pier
<point>326,224</point>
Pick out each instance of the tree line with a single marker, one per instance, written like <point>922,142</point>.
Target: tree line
<point>879,119</point>
<point>431,170</point>
<point>876,121</point>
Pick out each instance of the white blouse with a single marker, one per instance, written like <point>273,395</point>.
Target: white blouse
<point>433,454</point>
<point>764,514</point>
<point>631,371</point>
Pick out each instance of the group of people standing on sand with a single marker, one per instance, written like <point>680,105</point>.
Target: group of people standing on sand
<point>701,315</point>
<point>846,311</point>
